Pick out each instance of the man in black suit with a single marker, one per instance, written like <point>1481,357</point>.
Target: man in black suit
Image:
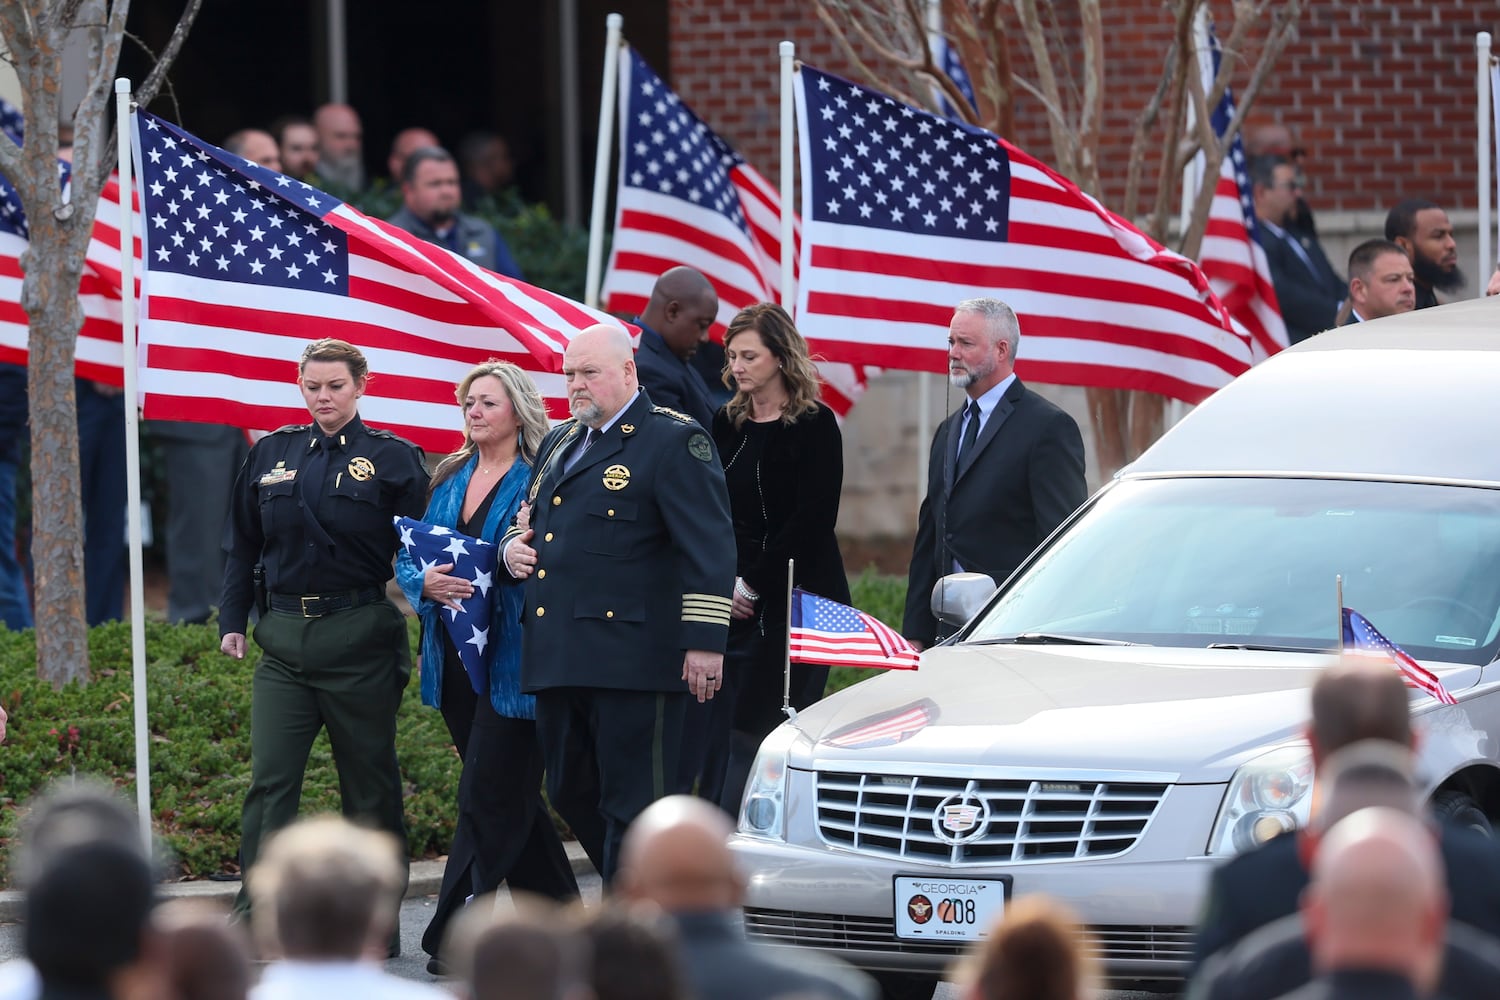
<point>1352,701</point>
<point>1307,287</point>
<point>1003,472</point>
<point>683,306</point>
<point>1381,281</point>
<point>629,550</point>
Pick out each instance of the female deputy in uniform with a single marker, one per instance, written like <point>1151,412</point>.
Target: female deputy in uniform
<point>504,829</point>
<point>784,465</point>
<point>312,510</point>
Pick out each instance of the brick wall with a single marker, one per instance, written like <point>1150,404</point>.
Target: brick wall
<point>1381,92</point>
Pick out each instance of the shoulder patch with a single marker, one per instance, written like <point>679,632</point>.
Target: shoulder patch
<point>700,447</point>
<point>675,414</point>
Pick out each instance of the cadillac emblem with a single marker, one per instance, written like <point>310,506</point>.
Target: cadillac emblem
<point>960,818</point>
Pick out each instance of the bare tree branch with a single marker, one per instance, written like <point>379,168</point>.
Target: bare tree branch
<point>146,92</point>
<point>1143,125</point>
<point>1057,124</point>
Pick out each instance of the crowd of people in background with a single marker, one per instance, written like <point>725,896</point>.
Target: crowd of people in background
<point>633,652</point>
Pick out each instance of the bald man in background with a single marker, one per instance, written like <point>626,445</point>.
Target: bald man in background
<point>676,856</point>
<point>340,146</point>
<point>256,146</point>
<point>1376,909</point>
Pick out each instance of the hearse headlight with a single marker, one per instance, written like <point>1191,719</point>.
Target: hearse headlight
<point>1268,796</point>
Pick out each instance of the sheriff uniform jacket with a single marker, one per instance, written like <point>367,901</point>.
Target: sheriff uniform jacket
<point>635,554</point>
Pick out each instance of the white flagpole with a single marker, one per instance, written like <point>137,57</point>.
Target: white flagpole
<point>788,53</point>
<point>1485,151</point>
<point>614,26</point>
<point>131,403</point>
<point>786,670</point>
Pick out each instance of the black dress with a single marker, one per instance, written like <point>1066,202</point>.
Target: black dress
<point>784,485</point>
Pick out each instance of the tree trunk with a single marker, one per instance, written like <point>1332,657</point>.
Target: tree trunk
<point>50,295</point>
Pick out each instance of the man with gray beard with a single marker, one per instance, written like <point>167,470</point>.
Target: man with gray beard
<point>340,148</point>
<point>1004,470</point>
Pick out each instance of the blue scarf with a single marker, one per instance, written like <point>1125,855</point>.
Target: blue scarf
<point>504,664</point>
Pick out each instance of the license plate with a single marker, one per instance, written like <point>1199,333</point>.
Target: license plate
<point>948,909</point>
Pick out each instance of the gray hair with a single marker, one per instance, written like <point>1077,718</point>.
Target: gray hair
<point>999,319</point>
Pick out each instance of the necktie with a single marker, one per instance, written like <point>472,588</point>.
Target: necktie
<point>971,430</point>
<point>309,484</point>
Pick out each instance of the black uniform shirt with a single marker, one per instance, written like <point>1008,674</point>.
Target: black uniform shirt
<point>369,476</point>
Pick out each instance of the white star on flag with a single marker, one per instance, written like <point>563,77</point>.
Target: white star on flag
<point>467,621</point>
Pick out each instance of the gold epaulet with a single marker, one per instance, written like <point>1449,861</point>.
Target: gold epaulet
<point>674,414</point>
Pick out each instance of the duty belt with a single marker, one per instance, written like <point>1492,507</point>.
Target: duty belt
<point>318,605</point>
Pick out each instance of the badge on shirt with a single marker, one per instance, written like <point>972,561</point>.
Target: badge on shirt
<point>362,469</point>
<point>616,477</point>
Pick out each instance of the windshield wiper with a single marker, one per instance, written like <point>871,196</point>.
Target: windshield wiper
<point>1268,647</point>
<point>1053,638</point>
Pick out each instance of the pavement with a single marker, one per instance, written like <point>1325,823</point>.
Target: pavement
<point>426,878</point>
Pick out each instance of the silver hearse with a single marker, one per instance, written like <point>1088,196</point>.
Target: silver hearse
<point>1128,709</point>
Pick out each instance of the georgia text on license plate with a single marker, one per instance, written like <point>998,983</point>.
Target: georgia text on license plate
<point>948,909</point>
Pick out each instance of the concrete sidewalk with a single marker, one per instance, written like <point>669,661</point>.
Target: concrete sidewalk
<point>426,878</point>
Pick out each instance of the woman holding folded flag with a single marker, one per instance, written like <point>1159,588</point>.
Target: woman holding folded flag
<point>504,832</point>
<point>783,461</point>
<point>311,512</point>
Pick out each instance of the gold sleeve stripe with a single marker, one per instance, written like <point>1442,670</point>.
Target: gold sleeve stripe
<point>707,619</point>
<point>706,600</point>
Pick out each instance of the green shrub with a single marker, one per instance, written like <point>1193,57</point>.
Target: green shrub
<point>199,714</point>
<point>875,594</point>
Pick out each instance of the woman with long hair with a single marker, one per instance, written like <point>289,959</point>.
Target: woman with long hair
<point>783,461</point>
<point>504,831</point>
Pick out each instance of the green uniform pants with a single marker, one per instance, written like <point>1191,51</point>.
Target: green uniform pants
<point>346,671</point>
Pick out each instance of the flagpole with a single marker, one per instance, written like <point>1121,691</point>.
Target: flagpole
<point>788,296</point>
<point>1338,589</point>
<point>1486,153</point>
<point>614,26</point>
<point>786,670</point>
<point>131,402</point>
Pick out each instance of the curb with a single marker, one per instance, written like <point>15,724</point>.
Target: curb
<point>426,879</point>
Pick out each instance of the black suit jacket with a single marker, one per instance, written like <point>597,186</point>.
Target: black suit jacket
<point>1275,960</point>
<point>1309,299</point>
<point>1265,884</point>
<point>1024,479</point>
<point>721,964</point>
<point>671,381</point>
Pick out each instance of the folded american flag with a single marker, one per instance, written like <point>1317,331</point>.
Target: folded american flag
<point>1363,637</point>
<point>827,632</point>
<point>473,559</point>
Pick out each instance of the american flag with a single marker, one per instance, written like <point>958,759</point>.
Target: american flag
<point>886,729</point>
<point>686,197</point>
<point>1230,255</point>
<point>945,54</point>
<point>99,353</point>
<point>243,266</point>
<point>1363,637</point>
<point>827,632</point>
<point>905,213</point>
<point>473,559</point>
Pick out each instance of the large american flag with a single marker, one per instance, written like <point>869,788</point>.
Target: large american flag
<point>1230,255</point>
<point>99,352</point>
<point>905,213</point>
<point>827,632</point>
<point>1361,636</point>
<point>686,197</point>
<point>243,266</point>
<point>474,559</point>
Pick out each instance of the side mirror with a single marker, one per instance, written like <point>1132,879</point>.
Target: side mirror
<point>958,597</point>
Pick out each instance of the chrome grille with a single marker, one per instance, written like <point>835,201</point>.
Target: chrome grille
<point>1110,944</point>
<point>1017,821</point>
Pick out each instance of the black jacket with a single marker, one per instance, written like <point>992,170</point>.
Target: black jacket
<point>1026,477</point>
